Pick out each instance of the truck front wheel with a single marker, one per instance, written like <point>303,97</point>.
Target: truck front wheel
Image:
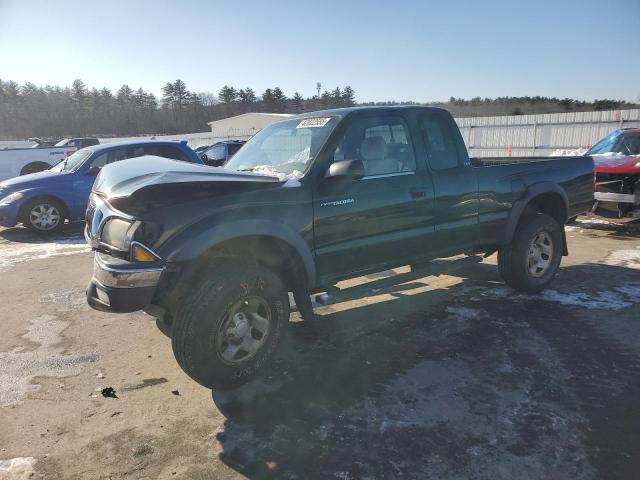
<point>532,259</point>
<point>227,329</point>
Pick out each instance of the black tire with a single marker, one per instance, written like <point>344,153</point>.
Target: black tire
<point>56,210</point>
<point>203,321</point>
<point>520,262</point>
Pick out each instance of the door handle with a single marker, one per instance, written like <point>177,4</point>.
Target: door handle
<point>418,193</point>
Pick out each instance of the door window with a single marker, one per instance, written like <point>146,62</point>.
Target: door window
<point>108,157</point>
<point>167,151</point>
<point>442,153</point>
<point>382,143</point>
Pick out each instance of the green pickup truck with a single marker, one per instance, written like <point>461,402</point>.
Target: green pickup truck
<point>309,201</point>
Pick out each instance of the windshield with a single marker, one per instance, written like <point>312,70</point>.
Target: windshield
<point>72,162</point>
<point>62,143</point>
<point>622,144</point>
<point>285,148</point>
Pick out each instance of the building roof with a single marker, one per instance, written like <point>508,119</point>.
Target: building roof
<point>262,114</point>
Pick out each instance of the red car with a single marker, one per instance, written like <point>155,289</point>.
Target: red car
<point>617,166</point>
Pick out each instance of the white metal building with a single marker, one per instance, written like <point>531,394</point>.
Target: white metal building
<point>245,125</point>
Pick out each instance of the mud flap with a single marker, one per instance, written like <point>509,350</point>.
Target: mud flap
<point>303,302</point>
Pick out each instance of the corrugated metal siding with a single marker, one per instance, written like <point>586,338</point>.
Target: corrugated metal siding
<point>525,135</point>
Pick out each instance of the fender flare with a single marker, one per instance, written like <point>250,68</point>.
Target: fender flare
<point>521,203</point>
<point>196,245</point>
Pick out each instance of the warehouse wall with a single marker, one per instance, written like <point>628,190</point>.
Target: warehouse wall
<point>527,135</point>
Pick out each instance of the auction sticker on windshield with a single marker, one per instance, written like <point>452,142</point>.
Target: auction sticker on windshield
<point>314,122</point>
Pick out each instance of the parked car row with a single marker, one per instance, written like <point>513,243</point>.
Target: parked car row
<point>23,161</point>
<point>43,201</point>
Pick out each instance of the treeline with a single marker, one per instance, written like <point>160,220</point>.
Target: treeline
<point>478,107</point>
<point>55,112</point>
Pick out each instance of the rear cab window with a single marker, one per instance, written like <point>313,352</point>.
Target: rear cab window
<point>440,143</point>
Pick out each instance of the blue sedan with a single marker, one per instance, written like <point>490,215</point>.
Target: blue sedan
<point>43,201</point>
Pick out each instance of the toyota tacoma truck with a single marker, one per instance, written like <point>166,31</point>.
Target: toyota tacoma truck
<point>307,202</point>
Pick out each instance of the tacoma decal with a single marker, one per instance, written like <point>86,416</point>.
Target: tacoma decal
<point>336,203</point>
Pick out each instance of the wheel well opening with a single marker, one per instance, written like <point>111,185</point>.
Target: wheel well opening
<point>551,204</point>
<point>34,167</point>
<point>269,252</point>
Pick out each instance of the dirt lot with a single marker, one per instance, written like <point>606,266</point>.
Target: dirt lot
<point>437,377</point>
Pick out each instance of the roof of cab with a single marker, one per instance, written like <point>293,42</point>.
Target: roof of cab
<point>343,112</point>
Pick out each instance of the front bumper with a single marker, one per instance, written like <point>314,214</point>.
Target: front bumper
<point>119,286</point>
<point>633,198</point>
<point>9,215</point>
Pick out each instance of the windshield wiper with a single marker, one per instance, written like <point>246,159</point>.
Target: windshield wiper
<point>250,169</point>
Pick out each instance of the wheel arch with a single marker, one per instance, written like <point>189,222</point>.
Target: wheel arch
<point>546,197</point>
<point>280,247</point>
<point>22,212</point>
<point>34,167</point>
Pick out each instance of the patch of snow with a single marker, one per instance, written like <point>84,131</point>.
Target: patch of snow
<point>609,154</point>
<point>620,297</point>
<point>464,312</point>
<point>560,152</point>
<point>271,172</point>
<point>14,252</point>
<point>19,468</point>
<point>599,301</point>
<point>72,299</point>
<point>592,221</point>
<point>625,258</point>
<point>20,367</point>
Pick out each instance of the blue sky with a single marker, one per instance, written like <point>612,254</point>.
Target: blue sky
<point>391,49</point>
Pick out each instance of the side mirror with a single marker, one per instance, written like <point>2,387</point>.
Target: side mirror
<point>347,169</point>
<point>93,171</point>
<point>204,157</point>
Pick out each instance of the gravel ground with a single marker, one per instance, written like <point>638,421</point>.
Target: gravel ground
<point>443,377</point>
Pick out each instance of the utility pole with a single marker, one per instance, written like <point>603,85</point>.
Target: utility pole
<point>319,87</point>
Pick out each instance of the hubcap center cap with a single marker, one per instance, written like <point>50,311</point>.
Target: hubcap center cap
<point>240,327</point>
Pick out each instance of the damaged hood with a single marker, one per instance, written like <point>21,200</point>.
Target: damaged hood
<point>128,177</point>
<point>616,163</point>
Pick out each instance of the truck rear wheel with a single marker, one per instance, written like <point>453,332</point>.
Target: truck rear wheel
<point>226,330</point>
<point>532,259</point>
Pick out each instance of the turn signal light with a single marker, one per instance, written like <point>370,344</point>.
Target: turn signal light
<point>142,255</point>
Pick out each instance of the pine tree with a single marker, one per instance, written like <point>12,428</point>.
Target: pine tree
<point>279,100</point>
<point>227,94</point>
<point>348,96</point>
<point>297,102</point>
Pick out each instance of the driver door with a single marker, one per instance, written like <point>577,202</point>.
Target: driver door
<point>383,218</point>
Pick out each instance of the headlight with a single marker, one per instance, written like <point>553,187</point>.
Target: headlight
<point>637,165</point>
<point>11,198</point>
<point>117,233</point>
